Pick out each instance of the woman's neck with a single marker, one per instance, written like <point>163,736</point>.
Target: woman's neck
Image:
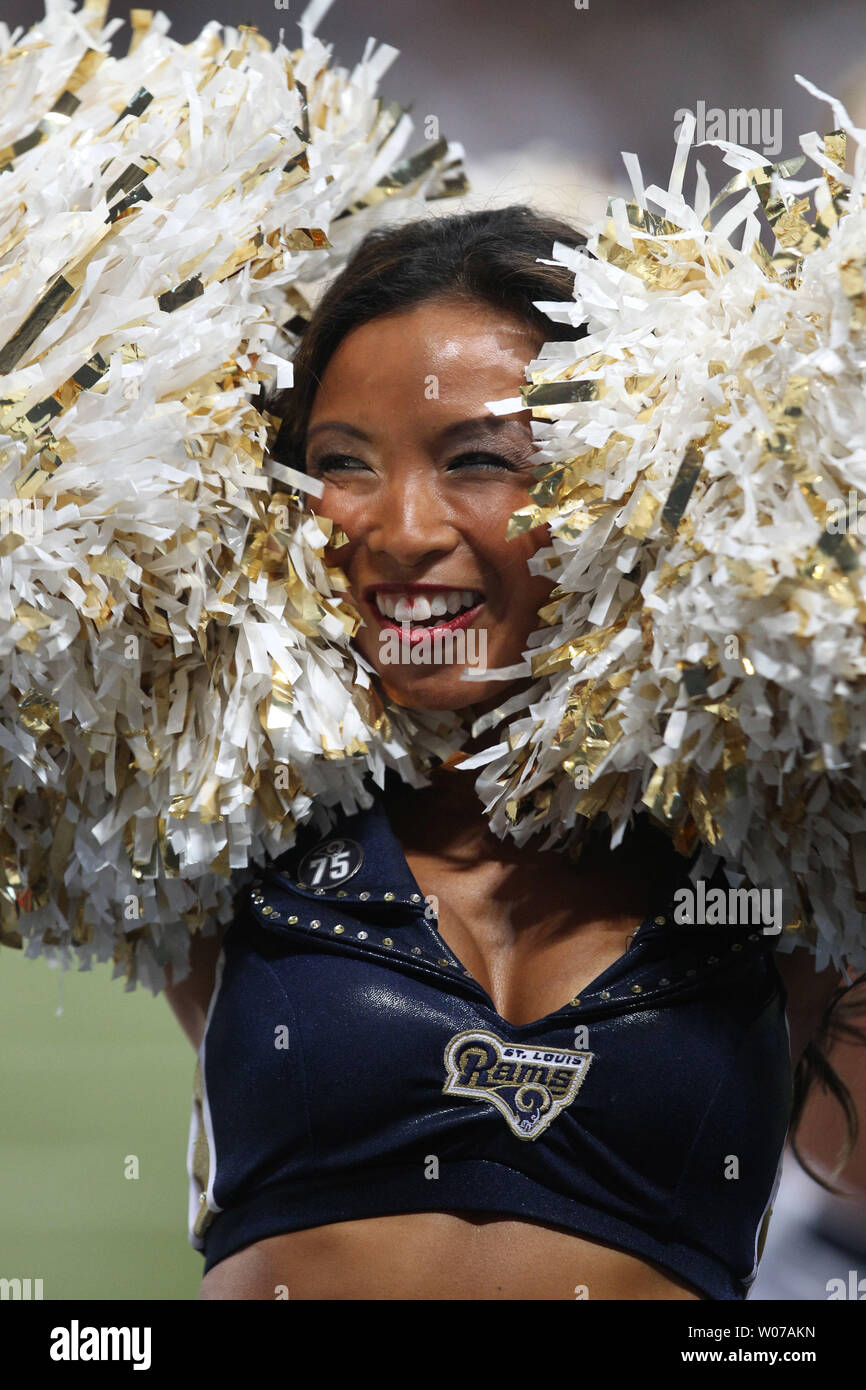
<point>447,820</point>
<point>448,817</point>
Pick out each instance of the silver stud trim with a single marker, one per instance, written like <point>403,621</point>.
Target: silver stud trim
<point>389,897</point>
<point>416,950</point>
<point>637,989</point>
<point>315,922</point>
<point>362,936</point>
<point>364,897</point>
<point>386,941</point>
<point>292,920</point>
<point>339,928</point>
<point>341,892</point>
<point>416,898</point>
<point>660,921</point>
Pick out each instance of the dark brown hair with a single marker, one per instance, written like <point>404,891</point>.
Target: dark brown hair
<point>838,1025</point>
<point>496,257</point>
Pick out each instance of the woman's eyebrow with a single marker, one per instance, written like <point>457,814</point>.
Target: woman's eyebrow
<point>340,425</point>
<point>491,424</point>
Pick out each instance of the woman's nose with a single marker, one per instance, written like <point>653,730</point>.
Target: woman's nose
<point>410,520</point>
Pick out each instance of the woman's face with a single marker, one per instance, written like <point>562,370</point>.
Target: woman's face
<point>423,479</point>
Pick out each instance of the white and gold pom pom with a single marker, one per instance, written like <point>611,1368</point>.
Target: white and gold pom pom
<point>703,472</point>
<point>177,686</point>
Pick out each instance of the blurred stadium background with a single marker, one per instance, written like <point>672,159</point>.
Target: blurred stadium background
<point>109,1078</point>
<point>543,98</point>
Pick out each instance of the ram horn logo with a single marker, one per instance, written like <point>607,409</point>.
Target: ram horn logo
<point>528,1085</point>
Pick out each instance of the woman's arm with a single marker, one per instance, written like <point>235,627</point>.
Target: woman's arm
<point>190,998</point>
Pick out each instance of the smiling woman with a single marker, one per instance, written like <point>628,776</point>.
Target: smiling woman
<point>426,493</point>
<point>390,412</point>
<point>429,1069</point>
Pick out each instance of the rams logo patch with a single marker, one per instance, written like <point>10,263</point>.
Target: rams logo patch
<point>528,1085</point>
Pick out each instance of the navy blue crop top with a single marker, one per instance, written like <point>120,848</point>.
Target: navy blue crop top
<point>346,1049</point>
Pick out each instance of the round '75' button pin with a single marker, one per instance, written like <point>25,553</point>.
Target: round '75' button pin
<point>329,863</point>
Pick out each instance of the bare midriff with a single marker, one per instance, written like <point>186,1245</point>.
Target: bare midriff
<point>436,1255</point>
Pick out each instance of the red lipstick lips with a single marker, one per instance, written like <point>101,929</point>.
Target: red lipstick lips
<point>392,605</point>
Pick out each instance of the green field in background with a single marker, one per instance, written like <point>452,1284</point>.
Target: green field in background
<point>111,1076</point>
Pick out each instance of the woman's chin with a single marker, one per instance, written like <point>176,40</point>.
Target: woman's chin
<point>438,690</point>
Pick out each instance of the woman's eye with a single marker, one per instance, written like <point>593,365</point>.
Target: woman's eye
<point>336,463</point>
<point>481,459</point>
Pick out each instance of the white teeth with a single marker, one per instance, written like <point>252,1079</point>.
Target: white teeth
<point>421,609</point>
<point>402,609</point>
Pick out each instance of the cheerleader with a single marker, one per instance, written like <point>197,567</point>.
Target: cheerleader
<point>434,1064</point>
